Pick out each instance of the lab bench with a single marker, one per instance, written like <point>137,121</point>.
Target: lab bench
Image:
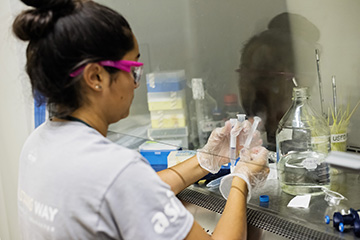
<point>272,221</point>
<point>276,218</point>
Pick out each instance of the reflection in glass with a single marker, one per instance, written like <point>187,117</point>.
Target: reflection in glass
<point>267,66</point>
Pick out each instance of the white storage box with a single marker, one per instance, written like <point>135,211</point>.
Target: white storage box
<point>166,100</point>
<point>168,118</point>
<point>169,134</point>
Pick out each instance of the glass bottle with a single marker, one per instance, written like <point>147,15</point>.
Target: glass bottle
<point>231,106</point>
<point>204,103</point>
<point>302,143</point>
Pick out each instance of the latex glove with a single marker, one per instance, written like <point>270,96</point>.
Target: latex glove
<point>216,151</point>
<point>252,167</point>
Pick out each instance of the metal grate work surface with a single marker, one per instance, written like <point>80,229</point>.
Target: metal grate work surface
<point>202,200</point>
<point>259,219</point>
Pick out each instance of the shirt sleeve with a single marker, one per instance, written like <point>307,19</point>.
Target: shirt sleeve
<point>141,206</point>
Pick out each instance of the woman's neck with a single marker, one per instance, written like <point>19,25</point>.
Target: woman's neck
<point>92,118</point>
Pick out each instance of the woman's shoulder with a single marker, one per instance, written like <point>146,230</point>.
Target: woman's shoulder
<point>73,142</point>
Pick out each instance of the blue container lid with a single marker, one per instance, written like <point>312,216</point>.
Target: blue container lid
<point>170,81</point>
<point>264,198</point>
<point>327,219</point>
<point>341,227</point>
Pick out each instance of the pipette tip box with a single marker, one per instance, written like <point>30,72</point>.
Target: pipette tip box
<point>166,81</point>
<point>156,153</point>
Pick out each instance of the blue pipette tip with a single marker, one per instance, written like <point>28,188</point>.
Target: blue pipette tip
<point>327,219</point>
<point>264,198</point>
<point>341,227</point>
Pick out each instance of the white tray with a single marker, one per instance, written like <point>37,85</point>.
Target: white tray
<point>344,159</point>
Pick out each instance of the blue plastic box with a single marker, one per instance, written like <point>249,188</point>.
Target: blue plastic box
<point>171,81</point>
<point>157,153</point>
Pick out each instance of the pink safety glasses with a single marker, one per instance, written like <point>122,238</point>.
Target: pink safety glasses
<point>136,68</point>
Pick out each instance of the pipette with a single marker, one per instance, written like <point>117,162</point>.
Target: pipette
<point>320,83</point>
<point>334,95</point>
<point>252,131</point>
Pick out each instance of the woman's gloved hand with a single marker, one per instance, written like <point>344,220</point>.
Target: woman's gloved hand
<point>252,167</point>
<point>216,151</point>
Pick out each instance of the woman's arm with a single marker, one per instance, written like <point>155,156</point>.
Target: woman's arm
<point>183,174</point>
<point>211,156</point>
<point>232,224</point>
<point>234,214</point>
<point>250,172</point>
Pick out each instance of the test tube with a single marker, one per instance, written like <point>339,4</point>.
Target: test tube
<point>240,118</point>
<point>232,146</point>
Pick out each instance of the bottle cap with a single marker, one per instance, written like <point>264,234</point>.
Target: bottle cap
<point>264,198</point>
<point>327,219</point>
<point>230,99</point>
<point>341,227</point>
<point>217,114</point>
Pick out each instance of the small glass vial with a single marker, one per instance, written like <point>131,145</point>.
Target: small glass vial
<point>302,143</point>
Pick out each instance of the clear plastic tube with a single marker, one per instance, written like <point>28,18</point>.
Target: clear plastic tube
<point>232,159</point>
<point>232,150</point>
<point>252,131</point>
<point>214,183</point>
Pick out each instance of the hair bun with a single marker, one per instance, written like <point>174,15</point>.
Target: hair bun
<point>34,23</point>
<point>49,4</point>
<point>296,25</point>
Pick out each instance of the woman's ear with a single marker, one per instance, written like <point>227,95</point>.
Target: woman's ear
<point>95,76</point>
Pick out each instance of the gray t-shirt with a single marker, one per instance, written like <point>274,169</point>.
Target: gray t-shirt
<point>76,184</point>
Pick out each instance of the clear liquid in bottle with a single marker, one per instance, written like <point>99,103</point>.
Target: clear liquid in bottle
<point>302,143</point>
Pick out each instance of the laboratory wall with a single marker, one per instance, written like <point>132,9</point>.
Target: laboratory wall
<point>188,35</point>
<point>15,122</point>
<point>205,38</point>
<point>339,48</point>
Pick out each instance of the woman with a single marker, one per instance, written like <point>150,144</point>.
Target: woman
<point>74,183</point>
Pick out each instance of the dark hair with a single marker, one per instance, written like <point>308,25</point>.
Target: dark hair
<point>63,35</point>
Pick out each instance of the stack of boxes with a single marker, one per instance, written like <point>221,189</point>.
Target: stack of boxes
<point>167,105</point>
<point>166,99</point>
